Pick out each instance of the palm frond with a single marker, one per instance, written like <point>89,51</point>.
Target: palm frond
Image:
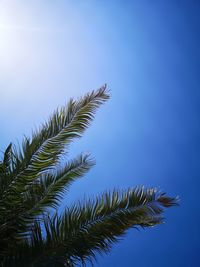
<point>5,168</point>
<point>94,226</point>
<point>7,161</point>
<point>33,180</point>
<point>44,193</point>
<point>43,152</point>
<point>50,188</point>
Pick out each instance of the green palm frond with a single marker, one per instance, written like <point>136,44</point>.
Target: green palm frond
<point>34,181</point>
<point>7,161</point>
<point>43,152</point>
<point>44,193</point>
<point>25,194</point>
<point>5,168</point>
<point>50,188</point>
<point>95,225</point>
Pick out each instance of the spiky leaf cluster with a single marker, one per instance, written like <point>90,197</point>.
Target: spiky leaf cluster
<point>33,181</point>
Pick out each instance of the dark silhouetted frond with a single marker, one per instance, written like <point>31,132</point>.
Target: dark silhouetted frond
<point>95,225</point>
<point>33,183</point>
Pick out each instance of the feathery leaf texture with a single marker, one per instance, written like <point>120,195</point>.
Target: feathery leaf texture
<point>33,182</point>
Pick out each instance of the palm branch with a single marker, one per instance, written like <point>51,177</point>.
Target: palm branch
<point>33,182</point>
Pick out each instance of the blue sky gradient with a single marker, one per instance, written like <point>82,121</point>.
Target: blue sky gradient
<point>147,134</point>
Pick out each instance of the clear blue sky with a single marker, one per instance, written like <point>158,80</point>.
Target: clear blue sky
<point>148,133</point>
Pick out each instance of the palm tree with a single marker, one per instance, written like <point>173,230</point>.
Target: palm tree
<point>33,182</point>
